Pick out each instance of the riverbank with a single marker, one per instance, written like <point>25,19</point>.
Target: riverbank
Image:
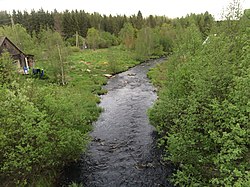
<point>123,151</point>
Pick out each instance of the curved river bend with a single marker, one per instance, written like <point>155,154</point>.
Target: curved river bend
<point>123,151</point>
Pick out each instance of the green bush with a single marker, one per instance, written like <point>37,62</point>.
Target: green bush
<point>203,110</point>
<point>147,44</point>
<point>8,71</point>
<point>25,148</point>
<point>42,132</point>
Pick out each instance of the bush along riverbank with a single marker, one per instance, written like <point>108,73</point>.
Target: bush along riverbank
<point>202,113</point>
<point>45,125</point>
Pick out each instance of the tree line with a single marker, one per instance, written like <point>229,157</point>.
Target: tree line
<point>69,22</point>
<point>149,37</point>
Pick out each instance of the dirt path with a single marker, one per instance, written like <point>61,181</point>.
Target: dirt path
<point>123,151</point>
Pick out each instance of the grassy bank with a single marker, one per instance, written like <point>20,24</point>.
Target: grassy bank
<point>90,68</point>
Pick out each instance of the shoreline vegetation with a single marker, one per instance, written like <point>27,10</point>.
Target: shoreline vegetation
<point>202,114</point>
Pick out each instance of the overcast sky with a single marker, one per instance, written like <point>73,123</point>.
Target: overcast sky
<point>169,8</point>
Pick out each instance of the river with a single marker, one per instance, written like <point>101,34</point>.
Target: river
<point>123,151</point>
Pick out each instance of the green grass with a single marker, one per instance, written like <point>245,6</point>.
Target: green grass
<point>88,67</point>
<point>87,71</point>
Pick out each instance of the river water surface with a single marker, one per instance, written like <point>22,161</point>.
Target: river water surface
<point>123,151</point>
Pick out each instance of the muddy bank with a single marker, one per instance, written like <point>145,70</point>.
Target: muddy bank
<point>123,150</point>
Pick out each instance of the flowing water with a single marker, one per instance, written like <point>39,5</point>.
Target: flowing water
<point>123,151</point>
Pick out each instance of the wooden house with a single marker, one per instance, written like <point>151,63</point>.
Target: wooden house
<point>22,60</point>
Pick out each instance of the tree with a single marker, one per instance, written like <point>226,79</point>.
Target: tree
<point>95,20</point>
<point>167,36</point>
<point>55,55</point>
<point>107,40</point>
<point>192,37</point>
<point>57,21</point>
<point>139,20</point>
<point>93,38</point>
<point>5,18</point>
<point>148,44</point>
<point>68,30</point>
<point>127,36</point>
<point>83,23</point>
<point>151,21</point>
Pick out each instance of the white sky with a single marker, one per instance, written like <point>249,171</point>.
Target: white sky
<point>169,8</point>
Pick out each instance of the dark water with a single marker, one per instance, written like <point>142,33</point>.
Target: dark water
<point>123,151</point>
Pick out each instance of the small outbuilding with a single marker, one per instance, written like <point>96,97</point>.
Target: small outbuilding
<point>22,60</point>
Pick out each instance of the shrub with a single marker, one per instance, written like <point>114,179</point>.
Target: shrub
<point>203,111</point>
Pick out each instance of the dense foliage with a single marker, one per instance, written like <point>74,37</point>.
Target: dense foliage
<point>40,132</point>
<point>203,111</point>
<point>202,114</point>
<point>68,23</point>
<point>44,123</point>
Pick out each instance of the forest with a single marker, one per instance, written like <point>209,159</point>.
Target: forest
<point>201,116</point>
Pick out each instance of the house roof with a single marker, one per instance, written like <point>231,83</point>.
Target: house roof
<point>3,38</point>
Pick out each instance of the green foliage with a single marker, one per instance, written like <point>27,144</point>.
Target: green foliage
<point>54,56</point>
<point>24,137</point>
<point>148,44</point>
<point>107,40</point>
<point>93,38</point>
<point>167,36</point>
<point>102,61</point>
<point>202,113</point>
<point>43,125</point>
<point>73,41</point>
<point>4,18</point>
<point>144,43</point>
<point>20,37</point>
<point>188,40</point>
<point>158,75</point>
<point>34,21</point>
<point>8,71</point>
<point>68,23</point>
<point>42,129</point>
<point>154,43</point>
<point>203,110</point>
<point>204,22</point>
<point>127,36</point>
<point>100,39</point>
